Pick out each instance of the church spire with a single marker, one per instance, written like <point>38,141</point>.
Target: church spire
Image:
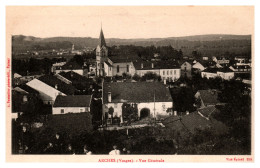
<point>101,41</point>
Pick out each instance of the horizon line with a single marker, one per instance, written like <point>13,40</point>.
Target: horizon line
<point>133,38</point>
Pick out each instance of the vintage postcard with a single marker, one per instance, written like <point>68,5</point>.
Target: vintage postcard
<point>139,84</point>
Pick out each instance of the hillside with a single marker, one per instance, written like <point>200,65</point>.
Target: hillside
<point>203,43</point>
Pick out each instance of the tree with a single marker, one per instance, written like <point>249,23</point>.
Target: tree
<point>151,76</point>
<point>129,112</point>
<point>78,59</point>
<point>136,77</point>
<point>111,112</point>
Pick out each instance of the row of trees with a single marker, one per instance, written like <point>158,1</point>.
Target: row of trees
<point>165,52</point>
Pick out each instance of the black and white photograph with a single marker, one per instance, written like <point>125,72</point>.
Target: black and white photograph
<point>161,81</point>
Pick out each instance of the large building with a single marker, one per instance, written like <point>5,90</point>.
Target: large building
<point>168,70</point>
<point>224,73</point>
<point>151,98</point>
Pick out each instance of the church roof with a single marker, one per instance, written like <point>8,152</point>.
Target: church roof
<point>101,41</point>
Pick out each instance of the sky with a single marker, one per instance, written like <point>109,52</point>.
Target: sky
<point>129,22</point>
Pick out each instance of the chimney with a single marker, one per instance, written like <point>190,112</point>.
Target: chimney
<point>109,96</point>
<point>187,112</point>
<point>56,86</point>
<point>142,65</point>
<point>152,65</point>
<point>175,113</point>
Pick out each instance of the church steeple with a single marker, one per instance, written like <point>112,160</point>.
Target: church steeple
<point>101,41</point>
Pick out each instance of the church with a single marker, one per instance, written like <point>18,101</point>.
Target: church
<point>111,66</point>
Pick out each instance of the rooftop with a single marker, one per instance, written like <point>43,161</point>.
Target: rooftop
<point>73,101</point>
<point>75,77</point>
<point>61,86</point>
<point>192,122</point>
<point>136,92</point>
<point>71,65</point>
<point>209,96</point>
<point>156,65</point>
<point>215,70</point>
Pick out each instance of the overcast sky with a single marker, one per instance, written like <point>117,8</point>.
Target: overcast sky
<point>129,22</point>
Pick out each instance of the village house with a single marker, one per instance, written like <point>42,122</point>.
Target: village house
<point>241,68</point>
<point>152,99</point>
<point>73,66</point>
<point>198,67</point>
<point>21,96</point>
<point>57,66</point>
<point>221,61</point>
<point>224,73</point>
<point>72,104</point>
<point>49,87</point>
<point>242,61</point>
<point>186,68</point>
<point>16,75</point>
<point>81,83</point>
<point>168,70</point>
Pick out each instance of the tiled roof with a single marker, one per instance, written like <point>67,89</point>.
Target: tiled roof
<point>62,86</point>
<point>71,65</point>
<point>115,59</point>
<point>147,65</point>
<point>75,77</point>
<point>215,70</point>
<point>192,122</point>
<point>73,101</point>
<point>136,92</point>
<point>208,111</point>
<point>209,96</point>
<point>28,89</point>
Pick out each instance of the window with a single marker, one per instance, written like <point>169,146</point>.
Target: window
<point>117,68</point>
<point>81,110</point>
<point>127,68</point>
<point>25,99</point>
<point>174,72</point>
<point>62,111</point>
<point>185,68</point>
<point>167,72</point>
<point>171,72</point>
<point>163,73</point>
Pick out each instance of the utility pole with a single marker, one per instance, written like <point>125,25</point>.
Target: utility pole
<point>154,106</point>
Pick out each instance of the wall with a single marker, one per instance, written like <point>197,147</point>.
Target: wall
<point>208,75</point>
<point>186,71</point>
<point>170,74</point>
<point>123,68</point>
<point>141,72</point>
<point>57,110</point>
<point>160,108</point>
<point>226,76</point>
<point>108,70</point>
